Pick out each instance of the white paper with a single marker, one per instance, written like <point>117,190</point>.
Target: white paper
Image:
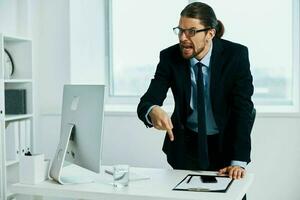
<point>195,184</point>
<point>22,136</point>
<point>12,141</point>
<point>28,135</point>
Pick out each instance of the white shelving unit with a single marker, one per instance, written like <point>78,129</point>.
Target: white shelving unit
<point>17,117</point>
<point>17,81</point>
<point>20,127</point>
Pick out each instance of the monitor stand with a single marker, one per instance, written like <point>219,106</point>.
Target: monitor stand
<point>56,170</point>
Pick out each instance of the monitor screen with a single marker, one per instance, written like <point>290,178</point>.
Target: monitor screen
<point>81,129</point>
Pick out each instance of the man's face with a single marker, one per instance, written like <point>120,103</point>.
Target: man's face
<point>197,45</point>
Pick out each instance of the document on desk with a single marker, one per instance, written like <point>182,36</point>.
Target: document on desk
<point>194,183</point>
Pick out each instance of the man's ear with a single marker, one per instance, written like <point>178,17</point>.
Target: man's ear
<point>211,34</point>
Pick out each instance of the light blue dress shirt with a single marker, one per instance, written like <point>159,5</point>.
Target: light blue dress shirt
<point>192,121</point>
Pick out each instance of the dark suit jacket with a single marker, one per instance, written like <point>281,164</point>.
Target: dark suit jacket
<point>230,89</point>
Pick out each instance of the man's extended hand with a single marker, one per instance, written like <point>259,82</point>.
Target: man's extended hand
<point>161,121</point>
<point>235,172</point>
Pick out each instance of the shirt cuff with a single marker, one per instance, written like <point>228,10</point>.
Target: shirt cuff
<point>148,119</point>
<point>239,163</point>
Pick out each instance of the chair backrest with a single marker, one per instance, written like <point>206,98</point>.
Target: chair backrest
<point>253,115</point>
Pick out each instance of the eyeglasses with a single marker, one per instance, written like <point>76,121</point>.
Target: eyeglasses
<point>188,32</point>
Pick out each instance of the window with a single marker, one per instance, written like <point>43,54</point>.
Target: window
<point>270,29</point>
<point>140,29</point>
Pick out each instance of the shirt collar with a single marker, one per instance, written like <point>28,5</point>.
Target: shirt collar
<point>205,60</point>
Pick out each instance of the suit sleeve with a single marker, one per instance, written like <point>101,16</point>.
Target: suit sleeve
<point>157,91</point>
<point>242,108</point>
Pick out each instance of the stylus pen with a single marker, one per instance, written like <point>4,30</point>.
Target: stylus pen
<point>198,189</point>
<point>109,172</point>
<point>189,179</point>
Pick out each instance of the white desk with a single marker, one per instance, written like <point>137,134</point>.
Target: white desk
<point>158,187</point>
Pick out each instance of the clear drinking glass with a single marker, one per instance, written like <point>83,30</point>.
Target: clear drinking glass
<point>121,175</point>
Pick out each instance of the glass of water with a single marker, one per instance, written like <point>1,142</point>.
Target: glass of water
<point>121,175</point>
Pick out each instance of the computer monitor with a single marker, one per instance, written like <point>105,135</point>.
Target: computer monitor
<point>81,130</point>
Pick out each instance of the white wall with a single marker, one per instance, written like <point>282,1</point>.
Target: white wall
<point>87,26</point>
<point>275,154</point>
<point>15,17</point>
<point>276,158</point>
<point>9,17</point>
<point>51,48</point>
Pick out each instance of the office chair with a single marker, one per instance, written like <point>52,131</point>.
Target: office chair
<point>253,116</point>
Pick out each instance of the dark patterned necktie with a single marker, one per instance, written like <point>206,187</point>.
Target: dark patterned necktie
<point>202,137</point>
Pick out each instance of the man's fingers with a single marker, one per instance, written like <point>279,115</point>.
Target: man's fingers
<point>170,123</point>
<point>230,172</point>
<point>239,174</point>
<point>223,171</point>
<point>164,122</point>
<point>170,133</point>
<point>235,173</point>
<point>158,125</point>
<point>243,173</point>
<point>167,123</point>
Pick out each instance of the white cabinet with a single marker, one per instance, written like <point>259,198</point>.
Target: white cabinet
<point>16,98</point>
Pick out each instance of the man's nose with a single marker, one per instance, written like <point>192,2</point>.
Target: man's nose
<point>182,36</point>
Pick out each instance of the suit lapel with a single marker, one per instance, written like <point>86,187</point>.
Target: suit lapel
<point>184,76</point>
<point>187,83</point>
<point>216,63</point>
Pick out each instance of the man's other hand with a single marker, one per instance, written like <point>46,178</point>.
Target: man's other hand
<point>235,172</point>
<point>161,121</point>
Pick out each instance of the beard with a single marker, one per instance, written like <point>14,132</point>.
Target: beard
<point>188,50</point>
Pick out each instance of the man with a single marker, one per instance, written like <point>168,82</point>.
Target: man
<point>212,86</point>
